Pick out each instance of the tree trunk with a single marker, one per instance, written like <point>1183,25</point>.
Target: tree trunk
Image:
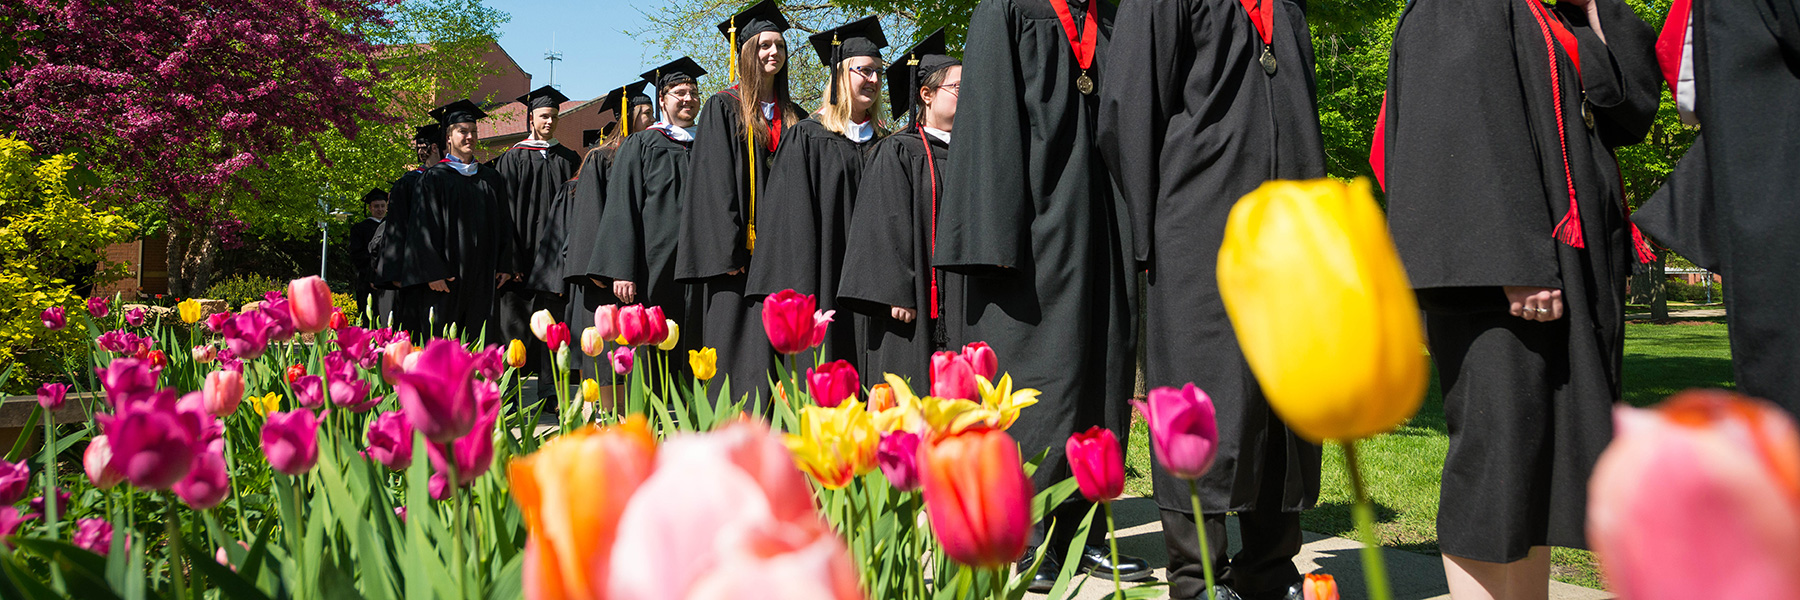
<point>191,257</point>
<point>1659,289</point>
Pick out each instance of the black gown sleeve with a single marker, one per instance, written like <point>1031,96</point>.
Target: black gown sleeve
<point>879,270</point>
<point>985,216</point>
<point>1681,215</point>
<point>1143,64</point>
<point>712,222</point>
<point>389,244</point>
<point>1620,75</point>
<point>787,222</point>
<point>427,232</point>
<point>621,253</point>
<point>1466,198</point>
<point>500,225</point>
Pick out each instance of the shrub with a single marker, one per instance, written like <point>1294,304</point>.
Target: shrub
<point>241,289</point>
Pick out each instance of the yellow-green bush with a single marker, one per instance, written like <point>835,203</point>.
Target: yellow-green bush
<point>46,235</point>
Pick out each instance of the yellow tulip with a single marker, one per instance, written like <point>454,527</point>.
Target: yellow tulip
<point>906,411</point>
<point>266,404</point>
<point>704,362</point>
<point>1004,401</point>
<point>590,390</point>
<point>515,354</point>
<point>674,336</point>
<point>836,444</point>
<point>1323,309</point>
<point>190,310</point>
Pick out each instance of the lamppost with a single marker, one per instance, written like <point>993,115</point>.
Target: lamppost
<point>325,228</point>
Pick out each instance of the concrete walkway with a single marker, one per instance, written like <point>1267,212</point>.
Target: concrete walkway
<point>1689,313</point>
<point>1412,576</point>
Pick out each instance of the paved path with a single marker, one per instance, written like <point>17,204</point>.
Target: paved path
<point>1690,313</point>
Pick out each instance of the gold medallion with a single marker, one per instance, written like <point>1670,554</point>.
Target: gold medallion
<point>1267,60</point>
<point>1084,84</point>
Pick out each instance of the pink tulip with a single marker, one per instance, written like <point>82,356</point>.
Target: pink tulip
<point>789,319</point>
<point>833,383</point>
<point>97,307</point>
<point>208,483</point>
<point>821,321</point>
<point>127,380</point>
<point>620,358</point>
<point>94,535</point>
<point>982,359</point>
<point>1699,498</point>
<point>723,513</point>
<point>658,325</point>
<point>472,454</point>
<point>1184,431</point>
<point>490,362</point>
<point>309,391</point>
<point>357,344</point>
<point>390,441</point>
<point>204,353</point>
<point>556,336</point>
<point>10,520</point>
<point>291,441</point>
<point>393,358</point>
<point>97,461</point>
<point>248,334</point>
<point>51,396</point>
<point>636,325</point>
<point>438,394</point>
<point>135,316</point>
<point>606,321</point>
<point>224,390</point>
<point>953,377</point>
<point>1098,463</point>
<point>309,299</point>
<point>153,443</point>
<point>216,322</point>
<point>53,318</point>
<point>62,503</point>
<point>15,480</point>
<point>280,316</point>
<point>898,456</point>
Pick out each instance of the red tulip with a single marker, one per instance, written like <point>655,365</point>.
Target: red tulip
<point>952,377</point>
<point>390,441</point>
<point>54,318</point>
<point>790,318</point>
<point>978,497</point>
<point>208,483</point>
<point>309,300</point>
<point>898,457</point>
<point>291,441</point>
<point>639,325</point>
<point>1098,463</point>
<point>97,307</point>
<point>1184,430</point>
<point>337,320</point>
<point>94,535</point>
<point>223,391</point>
<point>51,396</point>
<point>15,480</point>
<point>97,462</point>
<point>156,357</point>
<point>438,393</point>
<point>982,359</point>
<point>658,324</point>
<point>833,383</point>
<point>1699,498</point>
<point>557,336</point>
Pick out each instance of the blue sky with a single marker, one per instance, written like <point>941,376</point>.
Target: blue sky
<point>597,55</point>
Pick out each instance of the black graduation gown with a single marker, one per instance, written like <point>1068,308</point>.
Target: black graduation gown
<point>533,177</point>
<point>643,229</point>
<point>1190,122</point>
<point>1029,213</point>
<point>890,263</point>
<point>582,248</point>
<point>389,248</point>
<point>1732,199</point>
<point>804,225</point>
<point>1475,186</point>
<point>459,228</point>
<point>362,237</point>
<point>715,211</point>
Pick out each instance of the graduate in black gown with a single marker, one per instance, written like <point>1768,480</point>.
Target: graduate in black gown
<point>739,128</point>
<point>888,279</point>
<point>534,170</point>
<point>459,242</point>
<point>1730,206</point>
<point>1505,204</point>
<point>373,301</point>
<point>813,180</point>
<point>1192,118</point>
<point>583,249</point>
<point>1029,213</point>
<point>643,216</point>
<point>389,245</point>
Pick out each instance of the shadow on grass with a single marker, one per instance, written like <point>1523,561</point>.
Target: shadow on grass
<point>1649,379</point>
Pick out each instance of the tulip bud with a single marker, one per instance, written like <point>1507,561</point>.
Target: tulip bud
<point>591,342</point>
<point>309,301</point>
<point>982,359</point>
<point>832,383</point>
<point>291,441</point>
<point>557,336</point>
<point>590,391</point>
<point>540,324</point>
<point>515,354</point>
<point>977,496</point>
<point>97,461</point>
<point>606,321</point>
<point>704,362</point>
<point>190,310</point>
<point>51,396</point>
<point>97,307</point>
<point>54,318</point>
<point>1098,463</point>
<point>789,318</point>
<point>621,358</point>
<point>898,457</point>
<point>337,321</point>
<point>953,378</point>
<point>1184,430</point>
<point>672,338</point>
<point>223,391</point>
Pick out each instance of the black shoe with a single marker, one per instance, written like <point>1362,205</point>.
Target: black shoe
<point>1220,592</point>
<point>1296,592</point>
<point>1045,578</point>
<point>1097,561</point>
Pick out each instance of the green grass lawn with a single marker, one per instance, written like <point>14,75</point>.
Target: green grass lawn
<point>1403,468</point>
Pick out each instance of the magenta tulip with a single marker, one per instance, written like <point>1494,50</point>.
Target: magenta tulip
<point>208,483</point>
<point>606,321</point>
<point>438,392</point>
<point>620,358</point>
<point>135,316</point>
<point>153,443</point>
<point>54,319</point>
<point>490,362</point>
<point>94,535</point>
<point>291,441</point>
<point>556,336</point>
<point>281,317</point>
<point>15,480</point>
<point>472,454</point>
<point>833,383</point>
<point>223,391</point>
<point>248,334</point>
<point>1184,430</point>
<point>788,317</point>
<point>359,345</point>
<point>10,520</point>
<point>51,396</point>
<point>1098,463</point>
<point>128,379</point>
<point>658,325</point>
<point>216,322</point>
<point>952,377</point>
<point>637,325</point>
<point>982,359</point>
<point>309,391</point>
<point>898,457</point>
<point>1699,497</point>
<point>390,441</point>
<point>98,307</point>
<point>97,462</point>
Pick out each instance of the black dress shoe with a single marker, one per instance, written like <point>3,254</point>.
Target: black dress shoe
<point>1098,562</point>
<point>1045,578</point>
<point>1296,592</point>
<point>1220,592</point>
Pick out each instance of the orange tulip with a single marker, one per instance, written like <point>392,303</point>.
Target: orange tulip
<point>1699,498</point>
<point>978,497</point>
<point>881,397</point>
<point>572,493</point>
<point>1319,586</point>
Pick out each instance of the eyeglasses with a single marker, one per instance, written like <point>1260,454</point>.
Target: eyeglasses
<point>867,72</point>
<point>955,88</point>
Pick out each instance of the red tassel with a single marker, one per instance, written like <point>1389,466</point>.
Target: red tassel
<point>1645,254</point>
<point>1568,231</point>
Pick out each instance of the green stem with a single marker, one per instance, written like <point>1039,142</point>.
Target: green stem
<point>1000,577</point>
<point>1374,570</point>
<point>456,523</point>
<point>1113,540</point>
<point>293,529</point>
<point>1206,565</point>
<point>172,520</point>
<point>50,516</point>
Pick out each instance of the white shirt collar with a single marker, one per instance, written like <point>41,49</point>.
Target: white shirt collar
<point>675,132</point>
<point>769,110</point>
<point>860,132</point>
<point>941,135</point>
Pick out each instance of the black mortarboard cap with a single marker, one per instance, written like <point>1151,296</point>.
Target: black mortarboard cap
<point>591,137</point>
<point>460,111</point>
<point>862,37</point>
<point>759,18</point>
<point>913,67</point>
<point>433,133</point>
<point>375,194</point>
<point>632,94</point>
<point>542,97</point>
<point>680,70</point>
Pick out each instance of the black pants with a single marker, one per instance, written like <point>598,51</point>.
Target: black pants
<point>1263,568</point>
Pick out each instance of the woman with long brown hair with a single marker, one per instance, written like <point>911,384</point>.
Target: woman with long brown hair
<point>739,129</point>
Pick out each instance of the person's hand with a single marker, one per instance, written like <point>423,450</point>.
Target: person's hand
<point>597,282</point>
<point>395,283</point>
<point>441,285</point>
<point>625,290</point>
<point>500,279</point>
<point>903,315</point>
<point>736,271</point>
<point>1535,303</point>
